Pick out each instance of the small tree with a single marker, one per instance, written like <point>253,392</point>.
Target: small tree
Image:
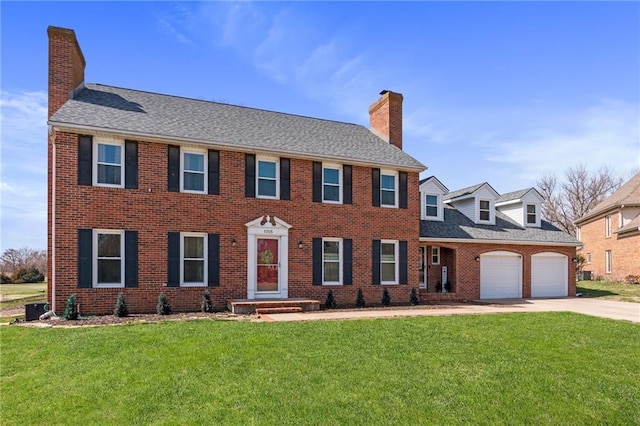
<point>71,309</point>
<point>330,301</point>
<point>360,299</point>
<point>386,299</point>
<point>439,286</point>
<point>447,286</point>
<point>414,299</point>
<point>5,279</point>
<point>121,309</point>
<point>206,305</point>
<point>163,307</point>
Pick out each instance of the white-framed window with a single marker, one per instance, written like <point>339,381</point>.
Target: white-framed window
<point>607,226</point>
<point>485,210</point>
<point>532,214</point>
<point>331,261</point>
<point>435,255</point>
<point>589,258</point>
<point>108,165</point>
<point>108,258</point>
<point>193,171</point>
<point>193,259</point>
<point>431,203</point>
<point>388,189</point>
<point>331,184</point>
<point>389,262</point>
<point>608,262</point>
<point>267,178</point>
<point>578,233</point>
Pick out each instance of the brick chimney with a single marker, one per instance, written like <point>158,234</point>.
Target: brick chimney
<point>385,117</point>
<point>66,66</point>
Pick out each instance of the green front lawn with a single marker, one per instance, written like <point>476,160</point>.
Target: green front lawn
<point>546,368</point>
<point>18,294</point>
<point>610,290</point>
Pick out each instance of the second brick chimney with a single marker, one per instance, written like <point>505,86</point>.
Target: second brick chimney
<point>66,66</point>
<point>385,117</point>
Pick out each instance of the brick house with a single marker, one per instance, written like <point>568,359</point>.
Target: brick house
<point>487,245</point>
<point>610,234</point>
<point>151,193</point>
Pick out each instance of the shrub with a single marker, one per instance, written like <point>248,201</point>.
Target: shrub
<point>121,309</point>
<point>71,309</point>
<point>206,305</point>
<point>330,302</point>
<point>439,286</point>
<point>632,279</point>
<point>447,286</point>
<point>386,299</point>
<point>414,299</point>
<point>5,279</point>
<point>27,275</point>
<point>163,307</point>
<point>360,299</point>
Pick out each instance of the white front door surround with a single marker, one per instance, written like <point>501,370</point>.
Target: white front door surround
<point>267,258</point>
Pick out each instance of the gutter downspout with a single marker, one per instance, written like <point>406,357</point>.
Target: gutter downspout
<point>53,228</point>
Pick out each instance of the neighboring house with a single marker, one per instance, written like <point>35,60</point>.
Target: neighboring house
<point>610,234</point>
<point>151,193</point>
<point>488,245</point>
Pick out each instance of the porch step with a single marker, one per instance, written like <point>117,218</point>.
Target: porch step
<point>283,310</point>
<point>250,306</point>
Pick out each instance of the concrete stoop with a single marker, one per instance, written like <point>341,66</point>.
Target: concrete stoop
<point>272,306</point>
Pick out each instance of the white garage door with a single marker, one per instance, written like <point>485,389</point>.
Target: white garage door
<point>549,275</point>
<point>500,275</point>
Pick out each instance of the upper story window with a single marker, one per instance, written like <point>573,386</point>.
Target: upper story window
<point>388,189</point>
<point>485,210</point>
<point>532,215</point>
<point>331,183</point>
<point>431,206</point>
<point>267,178</point>
<point>109,169</point>
<point>388,262</point>
<point>607,226</point>
<point>108,247</point>
<point>331,261</point>
<point>193,249</point>
<point>194,171</point>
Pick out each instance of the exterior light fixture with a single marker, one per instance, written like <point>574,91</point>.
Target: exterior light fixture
<point>300,244</point>
<point>477,259</point>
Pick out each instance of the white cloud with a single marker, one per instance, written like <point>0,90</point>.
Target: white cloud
<point>24,169</point>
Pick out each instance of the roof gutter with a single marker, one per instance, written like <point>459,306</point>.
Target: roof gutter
<point>597,215</point>
<point>500,242</point>
<point>300,155</point>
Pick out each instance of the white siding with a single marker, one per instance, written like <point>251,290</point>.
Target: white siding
<point>549,275</point>
<point>628,214</point>
<point>467,207</point>
<point>531,197</point>
<point>514,212</point>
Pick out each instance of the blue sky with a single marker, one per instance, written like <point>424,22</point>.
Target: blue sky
<point>502,92</point>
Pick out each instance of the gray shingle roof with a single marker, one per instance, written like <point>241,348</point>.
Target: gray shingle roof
<point>510,196</point>
<point>457,225</point>
<point>134,112</point>
<point>466,191</point>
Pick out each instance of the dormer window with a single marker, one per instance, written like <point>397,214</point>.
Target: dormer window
<point>531,214</point>
<point>431,206</point>
<point>485,210</point>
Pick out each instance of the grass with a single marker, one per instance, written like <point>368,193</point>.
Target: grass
<point>17,295</point>
<point>538,368</point>
<point>610,290</point>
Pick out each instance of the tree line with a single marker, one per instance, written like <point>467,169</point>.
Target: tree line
<point>23,265</point>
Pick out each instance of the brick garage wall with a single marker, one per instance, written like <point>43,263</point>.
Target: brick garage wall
<point>465,277</point>
<point>153,212</point>
<point>625,251</point>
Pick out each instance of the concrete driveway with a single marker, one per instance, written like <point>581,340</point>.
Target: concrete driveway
<point>596,307</point>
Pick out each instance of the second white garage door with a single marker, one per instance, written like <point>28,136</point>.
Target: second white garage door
<point>549,275</point>
<point>500,275</point>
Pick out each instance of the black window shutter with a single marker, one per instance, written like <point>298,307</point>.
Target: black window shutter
<point>131,258</point>
<point>213,260</point>
<point>285,179</point>
<point>317,182</point>
<point>85,160</point>
<point>250,175</point>
<point>375,187</point>
<point>376,249</point>
<point>173,260</point>
<point>85,258</point>
<point>174,169</point>
<point>404,278</point>
<point>403,189</point>
<point>346,185</point>
<point>347,261</point>
<point>317,261</point>
<point>131,164</point>
<point>214,172</point>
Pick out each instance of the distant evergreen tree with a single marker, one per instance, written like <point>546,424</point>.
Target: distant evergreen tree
<point>163,307</point>
<point>121,309</point>
<point>360,299</point>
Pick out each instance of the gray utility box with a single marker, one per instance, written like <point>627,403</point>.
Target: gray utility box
<point>32,311</point>
<point>585,276</point>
